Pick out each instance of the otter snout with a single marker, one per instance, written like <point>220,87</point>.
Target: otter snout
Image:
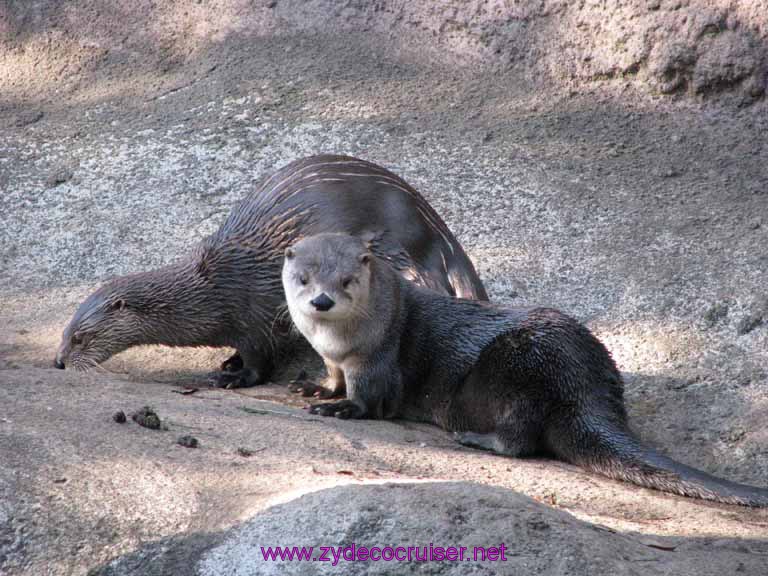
<point>62,354</point>
<point>322,303</point>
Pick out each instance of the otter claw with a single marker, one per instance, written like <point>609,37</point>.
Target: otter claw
<point>310,389</point>
<point>244,378</point>
<point>345,410</point>
<point>304,388</point>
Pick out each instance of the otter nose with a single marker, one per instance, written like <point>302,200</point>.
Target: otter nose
<point>58,364</point>
<point>322,303</point>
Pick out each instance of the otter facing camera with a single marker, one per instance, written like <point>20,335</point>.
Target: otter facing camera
<point>322,303</point>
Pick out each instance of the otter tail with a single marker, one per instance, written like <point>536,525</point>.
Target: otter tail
<point>609,449</point>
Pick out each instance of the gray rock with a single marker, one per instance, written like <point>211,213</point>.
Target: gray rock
<point>726,61</point>
<point>168,112</point>
<point>536,538</point>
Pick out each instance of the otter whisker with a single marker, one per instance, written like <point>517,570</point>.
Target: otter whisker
<point>282,315</point>
<point>81,365</point>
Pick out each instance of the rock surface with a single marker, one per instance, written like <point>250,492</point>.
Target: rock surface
<point>694,47</point>
<point>536,538</point>
<point>606,159</point>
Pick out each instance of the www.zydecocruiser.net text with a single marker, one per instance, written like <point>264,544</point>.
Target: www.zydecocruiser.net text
<point>357,553</point>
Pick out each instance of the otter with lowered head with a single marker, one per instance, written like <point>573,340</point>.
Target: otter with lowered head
<point>227,290</point>
<point>517,381</point>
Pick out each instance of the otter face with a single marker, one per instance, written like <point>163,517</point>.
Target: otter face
<point>327,278</point>
<point>102,326</point>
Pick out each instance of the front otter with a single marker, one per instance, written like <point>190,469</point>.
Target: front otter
<point>517,381</point>
<point>329,292</point>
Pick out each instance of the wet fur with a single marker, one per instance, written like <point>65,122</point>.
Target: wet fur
<point>518,381</point>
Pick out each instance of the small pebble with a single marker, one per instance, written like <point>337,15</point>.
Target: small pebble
<point>245,452</point>
<point>188,442</point>
<point>119,417</point>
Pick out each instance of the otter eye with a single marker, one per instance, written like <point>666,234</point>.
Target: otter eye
<point>303,279</point>
<point>347,281</point>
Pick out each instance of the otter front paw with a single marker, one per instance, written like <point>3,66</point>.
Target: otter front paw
<point>346,409</point>
<point>308,388</point>
<point>244,378</point>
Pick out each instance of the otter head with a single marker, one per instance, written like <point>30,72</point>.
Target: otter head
<point>104,324</point>
<point>327,278</point>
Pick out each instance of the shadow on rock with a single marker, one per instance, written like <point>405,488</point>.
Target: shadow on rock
<point>177,555</point>
<point>536,538</point>
<point>700,422</point>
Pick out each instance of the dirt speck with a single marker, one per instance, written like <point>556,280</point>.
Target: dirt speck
<point>58,176</point>
<point>716,312</point>
<point>188,441</point>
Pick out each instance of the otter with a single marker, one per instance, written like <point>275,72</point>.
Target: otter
<point>516,381</point>
<point>227,290</point>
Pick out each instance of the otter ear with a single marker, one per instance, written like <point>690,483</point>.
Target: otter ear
<point>118,304</point>
<point>365,258</point>
<point>289,253</point>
